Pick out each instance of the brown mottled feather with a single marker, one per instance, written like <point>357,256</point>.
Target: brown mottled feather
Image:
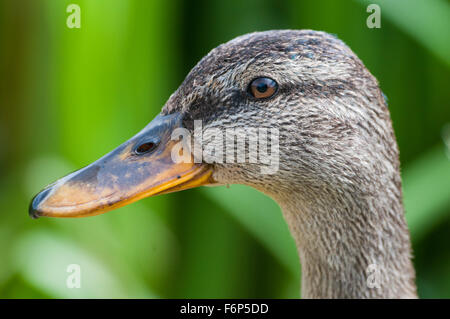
<point>338,182</point>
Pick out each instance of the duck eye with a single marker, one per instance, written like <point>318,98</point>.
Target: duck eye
<point>261,88</point>
<point>146,148</point>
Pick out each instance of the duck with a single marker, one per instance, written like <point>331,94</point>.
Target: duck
<point>337,174</point>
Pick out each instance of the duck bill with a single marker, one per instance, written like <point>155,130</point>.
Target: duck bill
<point>124,176</point>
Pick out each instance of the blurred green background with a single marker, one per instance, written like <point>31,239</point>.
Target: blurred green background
<point>68,96</point>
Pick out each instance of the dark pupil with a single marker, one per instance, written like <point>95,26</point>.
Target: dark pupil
<point>146,147</point>
<point>261,87</point>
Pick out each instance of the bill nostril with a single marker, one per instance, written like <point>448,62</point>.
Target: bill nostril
<point>33,210</point>
<point>146,148</point>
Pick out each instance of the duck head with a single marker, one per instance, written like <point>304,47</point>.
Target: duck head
<point>319,110</point>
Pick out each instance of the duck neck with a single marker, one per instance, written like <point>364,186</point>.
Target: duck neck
<point>351,245</point>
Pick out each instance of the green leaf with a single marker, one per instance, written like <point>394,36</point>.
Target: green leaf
<point>262,217</point>
<point>426,191</point>
<point>420,19</point>
<point>43,258</point>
